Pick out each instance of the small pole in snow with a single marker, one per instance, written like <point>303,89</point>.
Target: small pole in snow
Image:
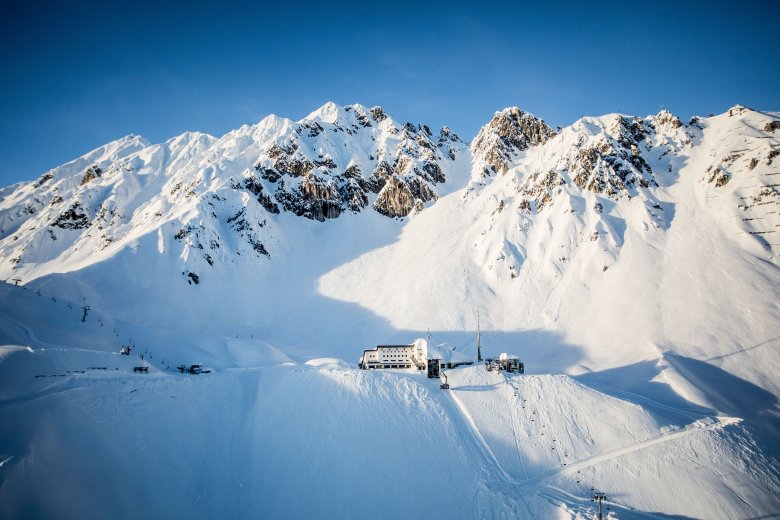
<point>479,342</point>
<point>599,497</point>
<point>16,281</point>
<point>85,308</point>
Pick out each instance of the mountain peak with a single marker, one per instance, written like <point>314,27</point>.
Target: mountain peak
<point>335,114</point>
<point>509,132</point>
<point>664,118</point>
<point>330,112</point>
<point>347,115</point>
<point>132,139</point>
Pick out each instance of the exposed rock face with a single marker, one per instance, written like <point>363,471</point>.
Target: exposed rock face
<point>43,179</point>
<point>378,114</point>
<point>314,198</point>
<point>400,197</point>
<point>721,171</point>
<point>605,156</point>
<point>448,142</point>
<point>541,189</point>
<point>73,218</point>
<point>666,118</point>
<point>509,132</point>
<point>613,163</point>
<point>91,173</point>
<point>254,186</point>
<point>309,173</point>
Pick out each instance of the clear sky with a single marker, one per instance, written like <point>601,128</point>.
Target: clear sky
<point>77,76</point>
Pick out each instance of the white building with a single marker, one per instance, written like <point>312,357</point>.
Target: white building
<point>395,356</point>
<point>420,355</point>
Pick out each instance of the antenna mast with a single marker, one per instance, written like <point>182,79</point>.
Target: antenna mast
<point>479,344</point>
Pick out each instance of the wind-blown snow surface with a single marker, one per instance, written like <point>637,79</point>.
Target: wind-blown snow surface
<point>636,255</point>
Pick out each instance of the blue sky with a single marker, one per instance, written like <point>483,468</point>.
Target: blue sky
<point>75,77</point>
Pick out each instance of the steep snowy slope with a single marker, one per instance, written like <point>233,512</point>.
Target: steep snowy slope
<point>630,236</point>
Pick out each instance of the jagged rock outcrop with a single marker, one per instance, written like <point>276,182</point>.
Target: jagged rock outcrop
<point>73,218</point>
<point>91,173</point>
<point>666,119</point>
<point>215,199</point>
<point>252,184</point>
<point>309,173</point>
<point>605,156</point>
<point>510,132</point>
<point>399,197</point>
<point>612,163</point>
<point>313,198</point>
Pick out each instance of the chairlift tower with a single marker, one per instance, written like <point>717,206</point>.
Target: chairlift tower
<point>599,497</point>
<point>85,308</point>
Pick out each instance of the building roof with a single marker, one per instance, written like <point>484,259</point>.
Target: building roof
<point>442,351</point>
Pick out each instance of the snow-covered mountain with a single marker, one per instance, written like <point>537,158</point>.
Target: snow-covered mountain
<point>336,160</point>
<point>239,217</point>
<point>638,255</point>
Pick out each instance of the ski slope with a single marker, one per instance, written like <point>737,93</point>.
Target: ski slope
<point>292,440</point>
<point>88,437</point>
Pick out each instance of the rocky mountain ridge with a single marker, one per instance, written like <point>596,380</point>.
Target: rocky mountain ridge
<point>510,132</point>
<point>218,199</point>
<point>196,187</point>
<point>398,164</point>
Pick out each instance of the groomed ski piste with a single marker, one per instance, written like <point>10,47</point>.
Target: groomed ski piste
<point>85,436</point>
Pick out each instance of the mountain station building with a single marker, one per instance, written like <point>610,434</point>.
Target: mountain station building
<point>420,355</point>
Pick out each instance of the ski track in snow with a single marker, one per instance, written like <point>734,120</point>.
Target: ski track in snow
<point>541,484</point>
<point>719,422</point>
<point>500,474</point>
<point>28,332</point>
